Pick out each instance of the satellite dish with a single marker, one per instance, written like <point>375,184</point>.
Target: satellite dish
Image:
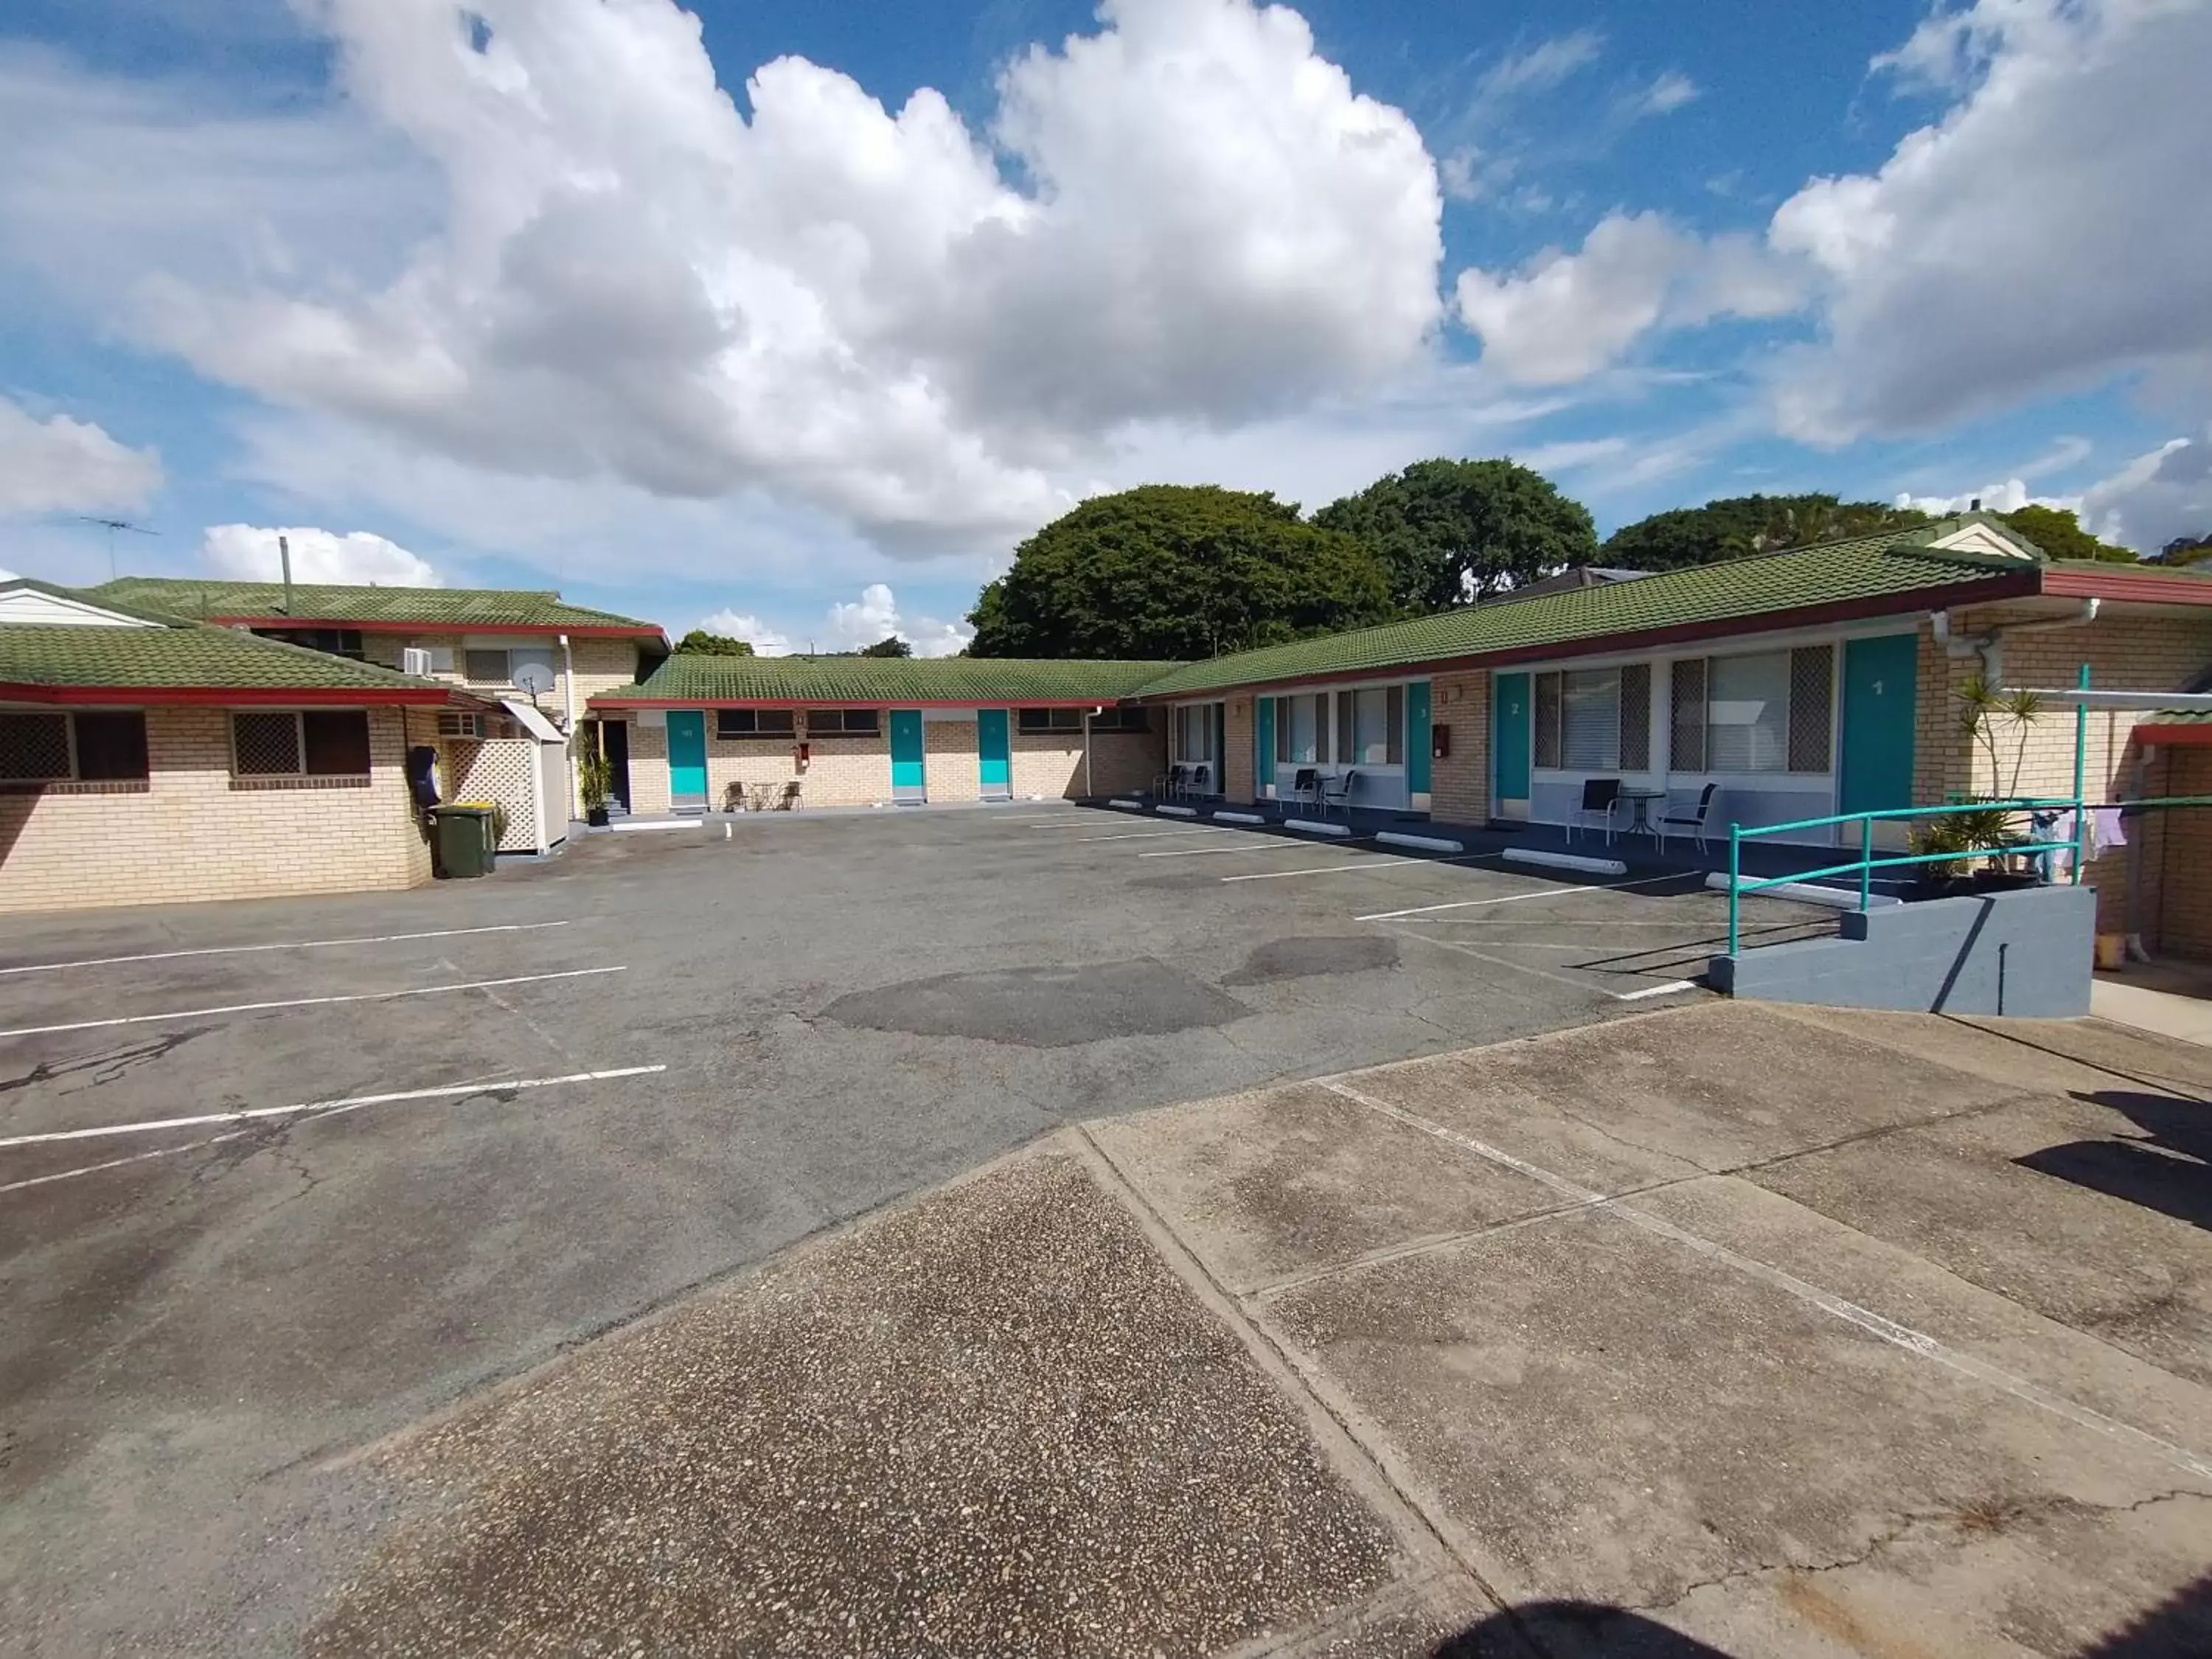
<point>535,678</point>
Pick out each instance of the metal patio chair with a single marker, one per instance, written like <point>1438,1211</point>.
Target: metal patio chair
<point>1338,792</point>
<point>1691,824</point>
<point>1305,786</point>
<point>1599,797</point>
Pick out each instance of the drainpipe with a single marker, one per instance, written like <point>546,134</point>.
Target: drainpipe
<point>1088,714</point>
<point>569,700</point>
<point>284,558</point>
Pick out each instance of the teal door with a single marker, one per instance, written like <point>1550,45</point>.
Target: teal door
<point>687,757</point>
<point>1509,720</point>
<point>906,756</point>
<point>1882,683</point>
<point>994,761</point>
<point>1263,747</point>
<point>1417,744</point>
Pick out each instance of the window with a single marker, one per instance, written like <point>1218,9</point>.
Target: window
<point>844,722</point>
<point>753,723</point>
<point>1370,726</point>
<point>1194,731</point>
<point>58,748</point>
<point>1302,730</point>
<point>1036,721</point>
<point>1594,720</point>
<point>498,666</point>
<point>1768,712</point>
<point>332,641</point>
<point>318,743</point>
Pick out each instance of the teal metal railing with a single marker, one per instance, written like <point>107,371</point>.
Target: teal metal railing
<point>1866,863</point>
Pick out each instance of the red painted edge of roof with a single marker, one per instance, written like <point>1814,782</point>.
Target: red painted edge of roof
<point>216,696</point>
<point>2145,587</point>
<point>1983,590</point>
<point>2196,734</point>
<point>445,625</point>
<point>603,701</point>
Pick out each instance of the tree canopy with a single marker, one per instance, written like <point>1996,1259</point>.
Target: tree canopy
<point>2058,533</point>
<point>1179,572</point>
<point>700,642</point>
<point>1737,525</point>
<point>890,645</point>
<point>1453,531</point>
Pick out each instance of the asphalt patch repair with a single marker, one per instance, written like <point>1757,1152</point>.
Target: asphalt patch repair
<point>1042,1007</point>
<point>993,1423</point>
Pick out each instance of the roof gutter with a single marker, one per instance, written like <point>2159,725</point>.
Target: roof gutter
<point>1990,646</point>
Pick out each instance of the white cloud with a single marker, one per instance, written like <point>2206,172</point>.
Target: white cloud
<point>624,279</point>
<point>63,465</point>
<point>2034,240</point>
<point>1666,94</point>
<point>1571,453</point>
<point>847,626</point>
<point>1566,316</point>
<point>1544,66</point>
<point>2005,495</point>
<point>766,642</point>
<point>250,553</point>
<point>2156,498</point>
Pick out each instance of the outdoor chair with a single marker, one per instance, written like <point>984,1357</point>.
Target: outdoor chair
<point>1338,792</point>
<point>1169,785</point>
<point>1599,797</point>
<point>1305,784</point>
<point>1691,823</point>
<point>1200,779</point>
<point>788,800</point>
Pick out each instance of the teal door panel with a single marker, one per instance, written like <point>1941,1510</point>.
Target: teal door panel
<point>994,762</point>
<point>1417,737</point>
<point>906,756</point>
<point>1882,686</point>
<point>1263,747</point>
<point>687,757</point>
<point>1510,720</point>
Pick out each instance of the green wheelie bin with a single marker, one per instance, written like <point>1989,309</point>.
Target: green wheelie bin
<point>464,839</point>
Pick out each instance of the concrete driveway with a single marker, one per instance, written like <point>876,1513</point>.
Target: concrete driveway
<point>312,1217</point>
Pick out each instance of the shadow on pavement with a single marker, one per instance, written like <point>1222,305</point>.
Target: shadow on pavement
<point>2170,1169</point>
<point>2179,1627</point>
<point>1572,1630</point>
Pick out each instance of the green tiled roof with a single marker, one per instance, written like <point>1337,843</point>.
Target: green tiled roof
<point>183,657</point>
<point>454,607</point>
<point>1869,568</point>
<point>886,680</point>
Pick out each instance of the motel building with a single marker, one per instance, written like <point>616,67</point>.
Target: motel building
<point>714,733</point>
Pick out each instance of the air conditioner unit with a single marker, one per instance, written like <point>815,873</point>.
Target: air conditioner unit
<point>452,723</point>
<point>414,660</point>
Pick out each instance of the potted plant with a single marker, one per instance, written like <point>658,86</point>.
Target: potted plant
<point>1987,836</point>
<point>595,778</point>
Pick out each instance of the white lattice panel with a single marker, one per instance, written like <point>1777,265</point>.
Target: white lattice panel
<point>502,770</point>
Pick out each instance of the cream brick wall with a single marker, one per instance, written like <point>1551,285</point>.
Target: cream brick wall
<point>1238,736</point>
<point>950,768</point>
<point>1050,764</point>
<point>189,835</point>
<point>1459,783</point>
<point>649,769</point>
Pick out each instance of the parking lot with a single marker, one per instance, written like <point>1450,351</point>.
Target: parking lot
<point>279,1180</point>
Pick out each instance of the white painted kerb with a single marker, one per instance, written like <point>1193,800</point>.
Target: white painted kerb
<point>1805,892</point>
<point>1425,843</point>
<point>1315,827</point>
<point>1565,861</point>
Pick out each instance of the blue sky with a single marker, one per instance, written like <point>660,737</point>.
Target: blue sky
<point>801,316</point>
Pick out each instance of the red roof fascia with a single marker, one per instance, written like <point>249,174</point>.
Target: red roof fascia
<point>2194,734</point>
<point>595,631</point>
<point>603,701</point>
<point>216,696</point>
<point>2121,582</point>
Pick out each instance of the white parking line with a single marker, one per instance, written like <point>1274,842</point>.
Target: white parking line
<point>289,945</point>
<point>1903,1336</point>
<point>1512,898</point>
<point>1667,989</point>
<point>1150,835</point>
<point>303,1002</point>
<point>1314,870</point>
<point>1244,844</point>
<point>324,1107</point>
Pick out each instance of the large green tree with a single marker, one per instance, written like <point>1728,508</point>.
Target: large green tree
<point>1453,531</point>
<point>1737,525</point>
<point>1176,571</point>
<point>2058,533</point>
<point>890,645</point>
<point>700,642</point>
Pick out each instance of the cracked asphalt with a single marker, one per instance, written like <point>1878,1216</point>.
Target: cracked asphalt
<point>1580,1327</point>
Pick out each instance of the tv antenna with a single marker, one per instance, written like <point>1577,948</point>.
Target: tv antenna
<point>111,525</point>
